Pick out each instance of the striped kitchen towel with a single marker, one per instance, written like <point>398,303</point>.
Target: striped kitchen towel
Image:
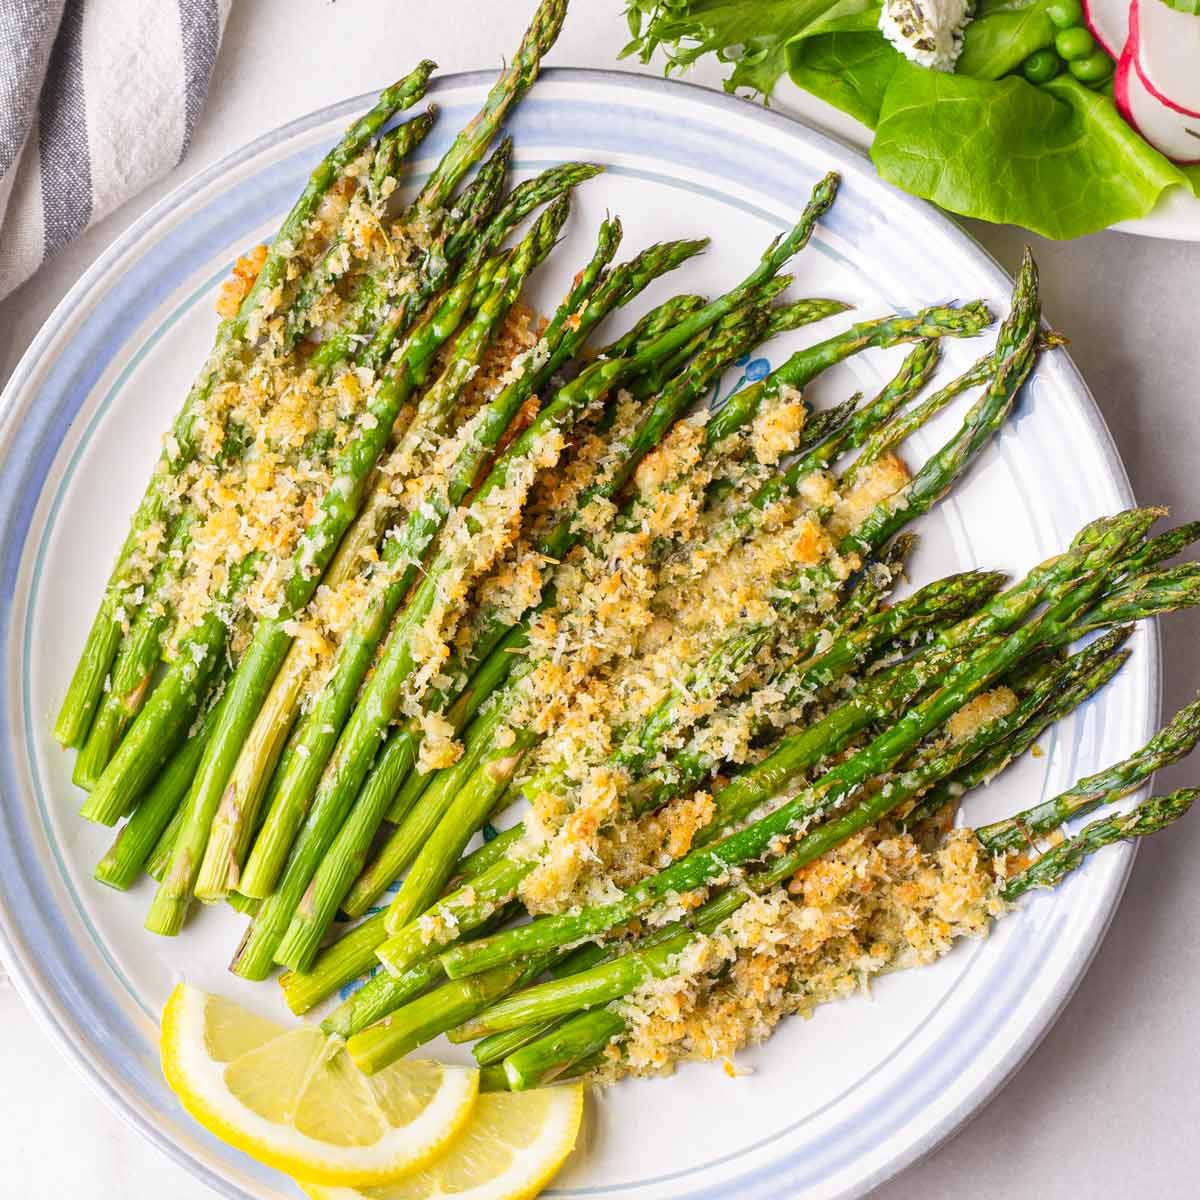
<point>97,98</point>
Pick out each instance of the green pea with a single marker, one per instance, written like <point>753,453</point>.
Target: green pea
<point>1074,43</point>
<point>1041,66</point>
<point>1065,14</point>
<point>1093,69</point>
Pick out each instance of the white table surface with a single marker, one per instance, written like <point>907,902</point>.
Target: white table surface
<point>1108,1106</point>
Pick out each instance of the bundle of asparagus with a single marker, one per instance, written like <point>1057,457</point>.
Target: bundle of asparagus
<point>405,562</point>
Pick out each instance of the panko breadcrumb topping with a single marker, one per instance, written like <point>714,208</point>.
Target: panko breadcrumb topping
<point>877,903</point>
<point>661,569</point>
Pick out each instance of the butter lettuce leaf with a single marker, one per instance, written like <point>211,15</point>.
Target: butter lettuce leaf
<point>850,70</point>
<point>1057,159</point>
<point>1003,34</point>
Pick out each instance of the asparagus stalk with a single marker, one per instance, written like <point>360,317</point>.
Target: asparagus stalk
<point>351,956</point>
<point>438,1011</point>
<point>886,437</point>
<point>652,381</point>
<point>1166,589</point>
<point>456,796</point>
<point>1146,818</point>
<point>131,850</point>
<point>397,756</point>
<point>1087,672</point>
<point>1167,545</point>
<point>496,1047</point>
<point>1170,744</point>
<point>104,637</point>
<point>478,132</point>
<point>466,149</point>
<point>393,148</point>
<point>391,312</point>
<point>492,850</point>
<point>652,325</point>
<point>493,1079</point>
<point>461,252</point>
<point>160,856</point>
<point>805,365</point>
<point>135,664</point>
<point>577,1040</point>
<point>383,993</point>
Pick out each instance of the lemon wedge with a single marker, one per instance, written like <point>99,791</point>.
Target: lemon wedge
<point>293,1099</point>
<point>512,1147</point>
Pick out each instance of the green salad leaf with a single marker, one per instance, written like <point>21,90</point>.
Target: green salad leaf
<point>1057,159</point>
<point>1184,6</point>
<point>752,35</point>
<point>851,71</point>
<point>1002,35</point>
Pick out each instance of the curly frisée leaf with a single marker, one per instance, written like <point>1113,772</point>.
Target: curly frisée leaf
<point>751,35</point>
<point>1057,159</point>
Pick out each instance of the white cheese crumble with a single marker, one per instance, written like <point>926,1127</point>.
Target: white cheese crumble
<point>927,32</point>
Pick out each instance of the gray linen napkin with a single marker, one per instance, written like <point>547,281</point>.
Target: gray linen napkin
<point>97,98</point>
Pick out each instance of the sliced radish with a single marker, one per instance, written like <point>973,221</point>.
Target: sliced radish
<point>1168,131</point>
<point>1167,56</point>
<point>1109,22</point>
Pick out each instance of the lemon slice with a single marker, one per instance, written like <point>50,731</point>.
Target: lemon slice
<point>293,1099</point>
<point>512,1147</point>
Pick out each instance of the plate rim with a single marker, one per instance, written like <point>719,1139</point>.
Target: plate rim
<point>88,286</point>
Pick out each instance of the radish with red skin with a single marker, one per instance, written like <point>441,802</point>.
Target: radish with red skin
<point>1167,54</point>
<point>1168,131</point>
<point>1108,21</point>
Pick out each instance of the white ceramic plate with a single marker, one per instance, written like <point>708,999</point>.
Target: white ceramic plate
<point>1176,216</point>
<point>834,1105</point>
